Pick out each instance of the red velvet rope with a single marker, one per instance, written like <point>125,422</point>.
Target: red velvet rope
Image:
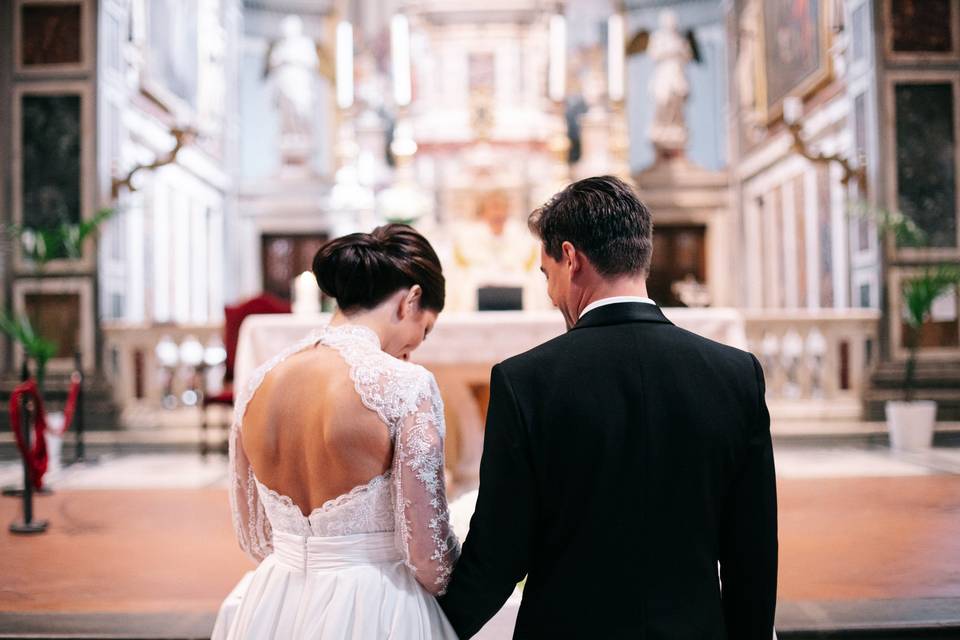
<point>71,409</point>
<point>36,457</point>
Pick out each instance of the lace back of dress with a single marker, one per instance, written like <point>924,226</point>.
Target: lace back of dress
<point>406,398</point>
<point>250,522</point>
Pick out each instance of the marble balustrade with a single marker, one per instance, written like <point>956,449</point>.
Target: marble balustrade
<point>816,363</point>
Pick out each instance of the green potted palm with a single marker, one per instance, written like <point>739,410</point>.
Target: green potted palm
<point>911,421</point>
<point>35,347</point>
<point>65,240</point>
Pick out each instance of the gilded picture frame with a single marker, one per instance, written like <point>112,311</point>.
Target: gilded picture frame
<point>795,52</point>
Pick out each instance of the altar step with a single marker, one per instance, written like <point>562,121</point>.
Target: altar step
<point>927,619</point>
<point>938,381</point>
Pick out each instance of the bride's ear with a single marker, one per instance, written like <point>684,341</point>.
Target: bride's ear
<point>410,302</point>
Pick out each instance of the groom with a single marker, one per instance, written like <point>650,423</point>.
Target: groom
<point>623,461</point>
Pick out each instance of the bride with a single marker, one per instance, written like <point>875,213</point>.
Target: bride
<point>336,459</point>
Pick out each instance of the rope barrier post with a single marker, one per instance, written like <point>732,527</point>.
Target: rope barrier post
<point>28,525</point>
<point>13,491</point>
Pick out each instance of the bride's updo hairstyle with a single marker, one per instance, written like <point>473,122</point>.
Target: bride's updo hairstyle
<point>361,270</point>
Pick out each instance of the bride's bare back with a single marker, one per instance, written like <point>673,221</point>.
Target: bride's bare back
<point>307,433</point>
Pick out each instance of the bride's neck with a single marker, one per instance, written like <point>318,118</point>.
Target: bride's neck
<point>373,319</point>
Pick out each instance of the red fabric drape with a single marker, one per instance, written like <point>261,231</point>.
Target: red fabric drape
<point>71,408</point>
<point>234,316</point>
<point>36,457</point>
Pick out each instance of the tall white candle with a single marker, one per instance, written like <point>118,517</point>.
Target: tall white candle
<point>615,54</point>
<point>344,65</point>
<point>557,73</point>
<point>306,294</point>
<point>400,54</point>
<point>792,109</point>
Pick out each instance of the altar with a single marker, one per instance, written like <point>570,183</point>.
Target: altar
<point>460,352</point>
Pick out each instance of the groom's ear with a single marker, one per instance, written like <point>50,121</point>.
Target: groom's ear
<point>571,256</point>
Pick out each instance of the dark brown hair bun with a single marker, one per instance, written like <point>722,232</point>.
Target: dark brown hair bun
<point>361,270</point>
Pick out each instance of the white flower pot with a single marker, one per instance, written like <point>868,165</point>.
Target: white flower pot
<point>911,424</point>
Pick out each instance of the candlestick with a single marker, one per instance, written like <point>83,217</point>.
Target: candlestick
<point>615,54</point>
<point>344,65</point>
<point>557,78</point>
<point>400,54</point>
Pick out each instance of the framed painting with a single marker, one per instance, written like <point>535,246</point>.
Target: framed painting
<point>53,36</point>
<point>796,58</point>
<point>922,30</point>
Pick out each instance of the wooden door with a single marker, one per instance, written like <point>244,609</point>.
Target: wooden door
<point>679,251</point>
<point>285,256</point>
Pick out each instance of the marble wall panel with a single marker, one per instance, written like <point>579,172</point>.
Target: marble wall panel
<point>926,159</point>
<point>51,150</point>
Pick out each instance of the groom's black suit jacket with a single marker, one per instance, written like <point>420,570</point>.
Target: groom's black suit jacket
<point>622,461</point>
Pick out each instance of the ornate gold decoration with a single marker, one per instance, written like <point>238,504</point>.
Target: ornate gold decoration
<point>181,136</point>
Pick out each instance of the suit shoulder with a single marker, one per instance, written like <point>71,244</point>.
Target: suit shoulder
<point>533,357</point>
<point>714,349</point>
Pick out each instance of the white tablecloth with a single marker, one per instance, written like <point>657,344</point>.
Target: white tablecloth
<point>479,338</point>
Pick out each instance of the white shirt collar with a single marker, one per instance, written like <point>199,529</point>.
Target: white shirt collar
<point>614,300</point>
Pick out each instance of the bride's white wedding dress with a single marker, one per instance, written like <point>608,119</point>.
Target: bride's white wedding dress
<point>349,569</point>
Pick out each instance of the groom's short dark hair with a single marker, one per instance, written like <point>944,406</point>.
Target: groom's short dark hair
<point>602,217</point>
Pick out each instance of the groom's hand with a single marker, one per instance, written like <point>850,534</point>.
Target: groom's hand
<point>496,552</point>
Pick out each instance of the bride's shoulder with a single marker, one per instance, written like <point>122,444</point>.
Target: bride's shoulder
<point>408,372</point>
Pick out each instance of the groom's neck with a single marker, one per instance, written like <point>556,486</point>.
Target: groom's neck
<point>600,288</point>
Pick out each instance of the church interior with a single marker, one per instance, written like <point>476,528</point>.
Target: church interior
<point>169,168</point>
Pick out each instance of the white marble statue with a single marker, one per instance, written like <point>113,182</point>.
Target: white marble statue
<point>669,87</point>
<point>293,66</point>
<point>746,66</point>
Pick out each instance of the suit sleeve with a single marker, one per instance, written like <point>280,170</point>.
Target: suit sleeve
<point>496,552</point>
<point>748,543</point>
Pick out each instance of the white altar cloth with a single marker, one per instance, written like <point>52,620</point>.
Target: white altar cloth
<point>465,338</point>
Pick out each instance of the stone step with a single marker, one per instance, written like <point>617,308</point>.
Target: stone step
<point>929,375</point>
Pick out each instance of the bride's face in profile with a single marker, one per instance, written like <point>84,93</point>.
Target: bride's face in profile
<point>410,324</point>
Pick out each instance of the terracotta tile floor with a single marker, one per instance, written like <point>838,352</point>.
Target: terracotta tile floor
<point>169,550</point>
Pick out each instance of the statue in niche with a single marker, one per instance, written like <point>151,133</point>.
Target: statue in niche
<point>746,69</point>
<point>293,64</point>
<point>671,51</point>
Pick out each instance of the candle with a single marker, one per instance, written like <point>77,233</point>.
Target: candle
<point>344,65</point>
<point>400,54</point>
<point>792,110</point>
<point>306,294</point>
<point>557,78</point>
<point>615,52</point>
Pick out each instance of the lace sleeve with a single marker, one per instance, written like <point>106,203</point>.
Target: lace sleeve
<point>250,521</point>
<point>423,530</point>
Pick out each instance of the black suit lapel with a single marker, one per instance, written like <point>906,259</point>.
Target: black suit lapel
<point>620,313</point>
